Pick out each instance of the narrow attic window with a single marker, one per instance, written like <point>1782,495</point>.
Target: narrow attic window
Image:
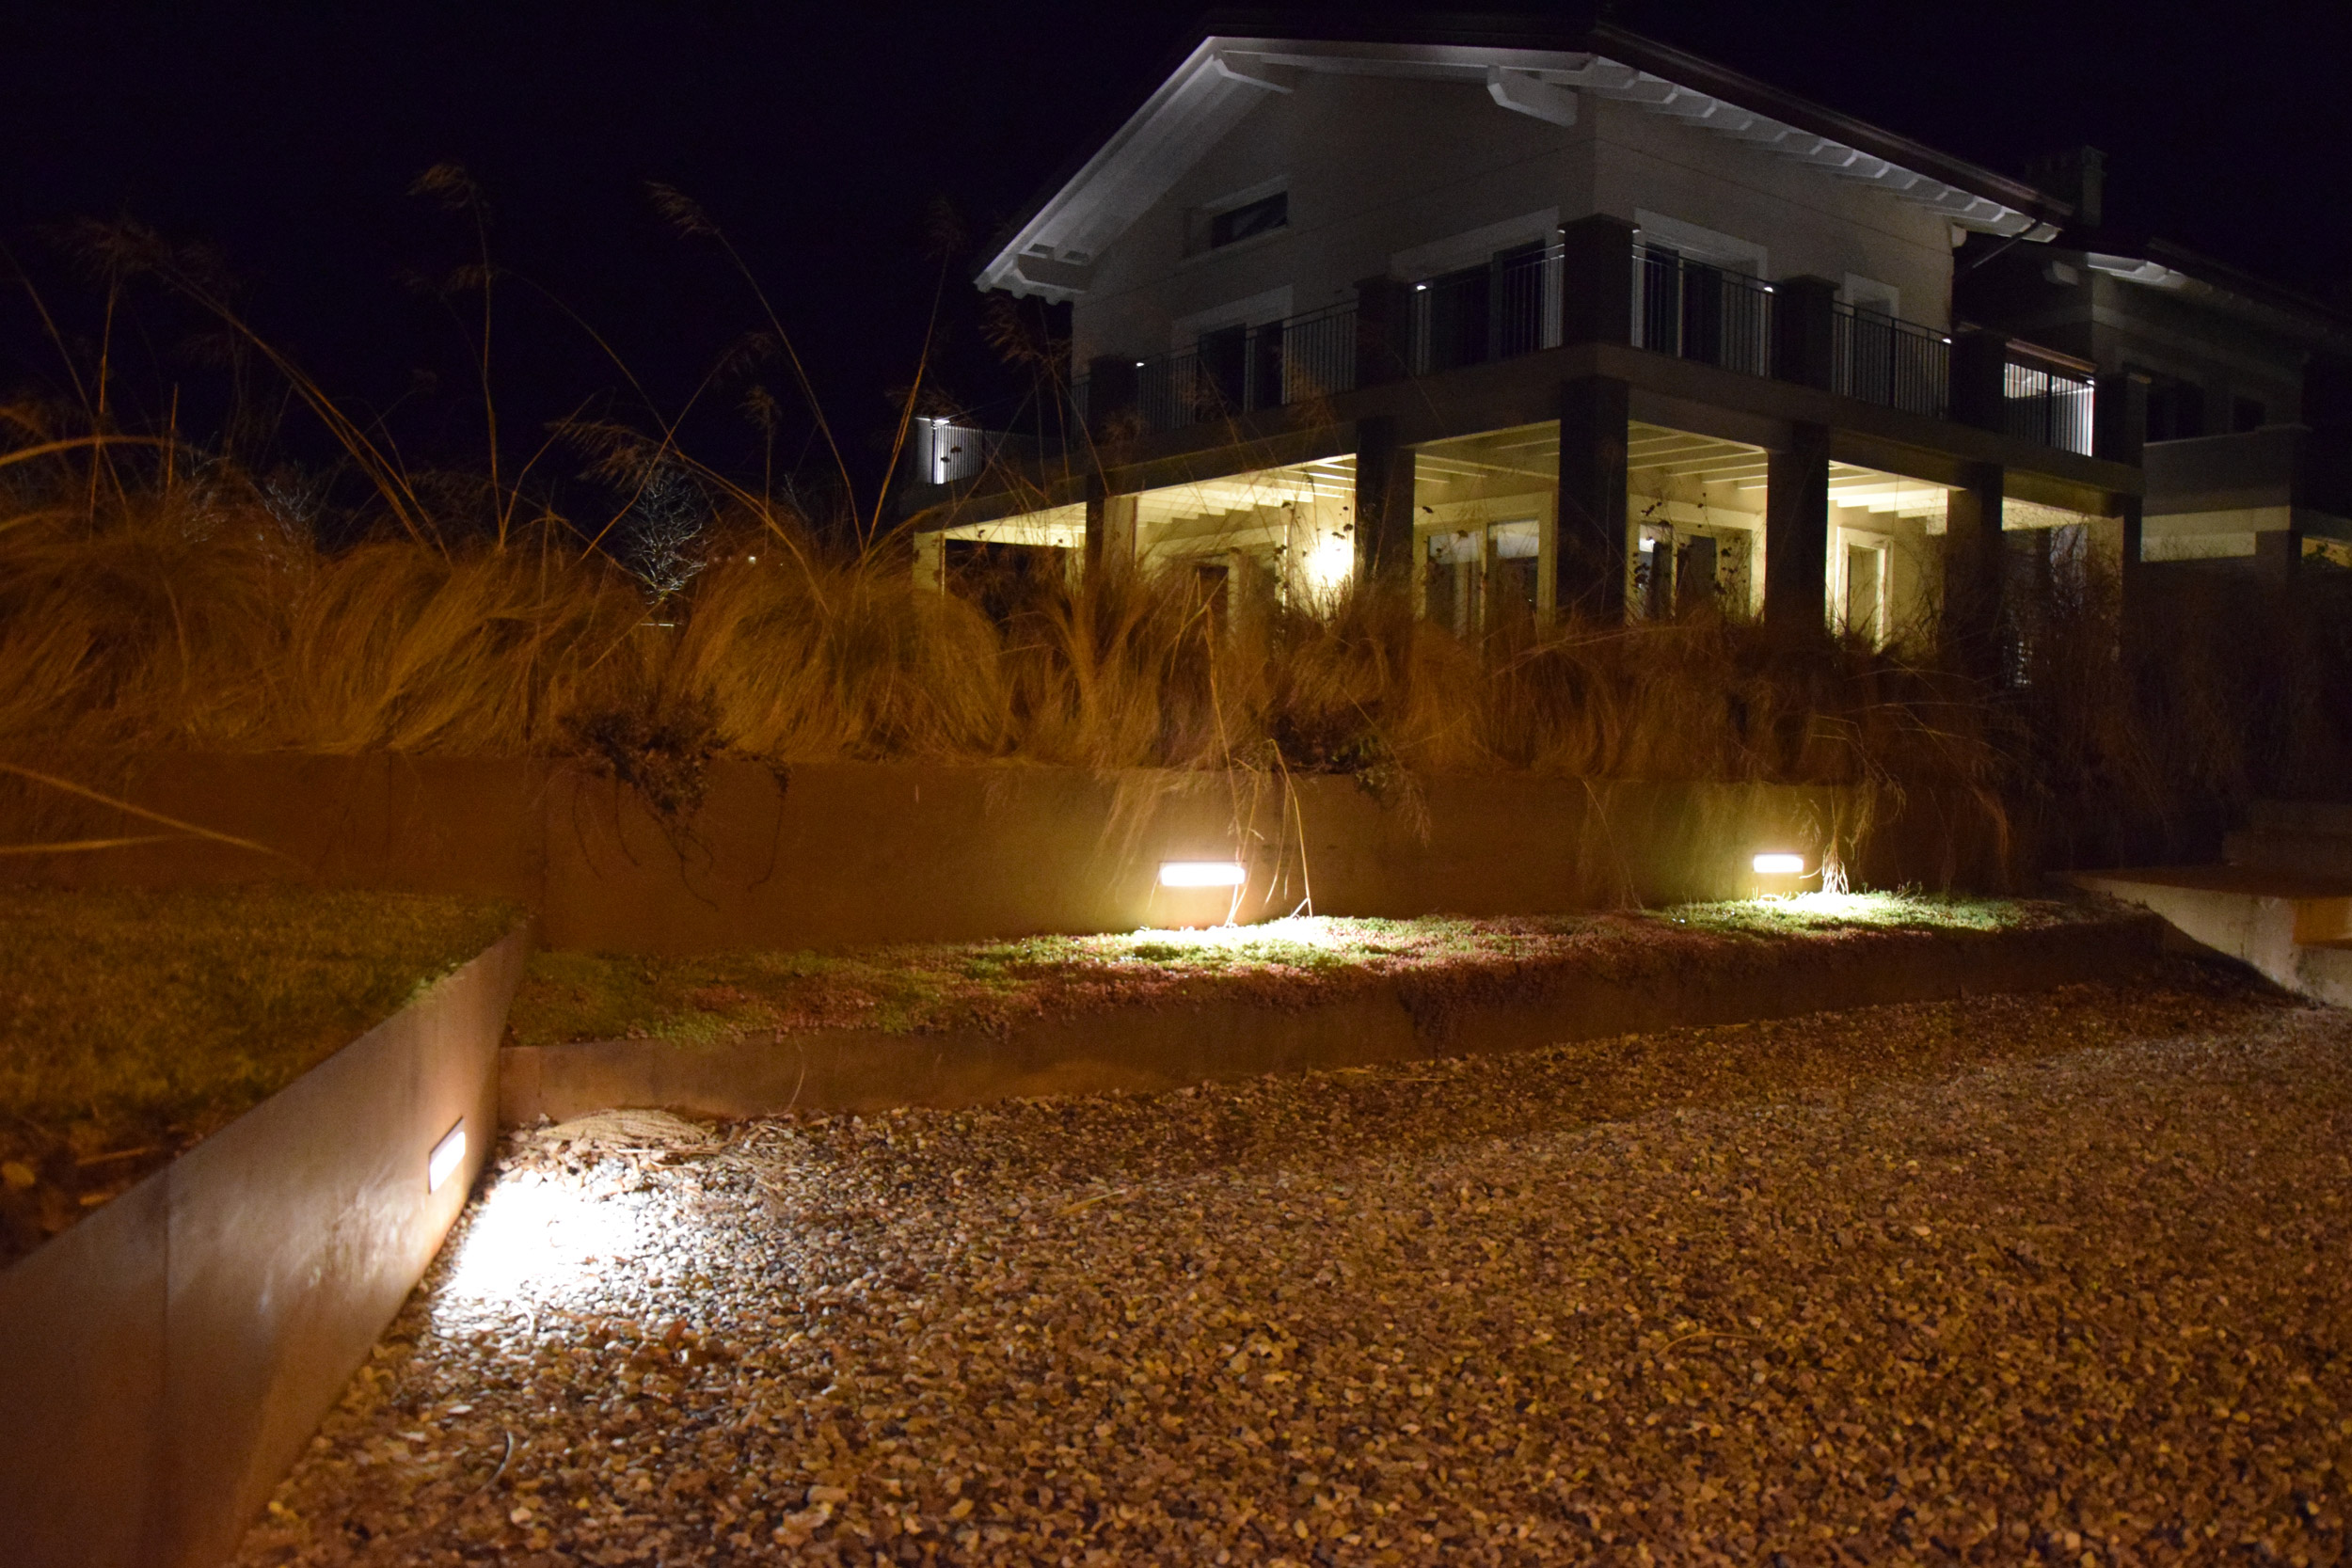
<point>1260,216</point>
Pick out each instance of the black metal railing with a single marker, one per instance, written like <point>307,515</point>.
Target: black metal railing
<point>2048,403</point>
<point>1239,370</point>
<point>1496,311</point>
<point>1514,305</point>
<point>940,451</point>
<point>1696,311</point>
<point>1894,363</point>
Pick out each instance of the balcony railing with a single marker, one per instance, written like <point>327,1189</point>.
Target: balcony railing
<point>1891,362</point>
<point>2044,400</point>
<point>940,451</point>
<point>1514,305</point>
<point>1695,311</point>
<point>1240,370</point>
<point>1479,315</point>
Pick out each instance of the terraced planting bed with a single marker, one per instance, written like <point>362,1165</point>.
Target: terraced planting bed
<point>930,987</point>
<point>748,1033</point>
<point>133,1024</point>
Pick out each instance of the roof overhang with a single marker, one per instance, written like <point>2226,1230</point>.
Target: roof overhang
<point>2216,286</point>
<point>1051,254</point>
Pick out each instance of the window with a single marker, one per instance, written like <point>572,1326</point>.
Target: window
<point>1262,216</point>
<point>2176,409</point>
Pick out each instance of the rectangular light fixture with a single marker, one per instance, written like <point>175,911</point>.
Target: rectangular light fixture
<point>1202,874</point>
<point>1780,866</point>
<point>446,1157</point>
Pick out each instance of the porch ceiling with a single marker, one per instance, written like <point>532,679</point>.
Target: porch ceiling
<point>1324,479</point>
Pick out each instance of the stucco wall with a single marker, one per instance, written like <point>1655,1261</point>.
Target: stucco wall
<point>1377,165</point>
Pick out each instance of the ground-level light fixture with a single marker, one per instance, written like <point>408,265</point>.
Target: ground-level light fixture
<point>1202,874</point>
<point>446,1157</point>
<point>1779,864</point>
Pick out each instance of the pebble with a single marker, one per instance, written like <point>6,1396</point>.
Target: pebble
<point>2048,1278</point>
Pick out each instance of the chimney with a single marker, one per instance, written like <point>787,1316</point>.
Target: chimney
<point>2077,176</point>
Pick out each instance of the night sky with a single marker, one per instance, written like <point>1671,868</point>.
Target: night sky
<point>821,139</point>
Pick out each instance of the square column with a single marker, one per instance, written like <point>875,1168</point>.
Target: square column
<point>1597,280</point>
<point>1805,331</point>
<point>1383,325</point>
<point>1111,545</point>
<point>1112,395</point>
<point>1796,530</point>
<point>1384,506</point>
<point>1589,559</point>
<point>2119,432</point>
<point>1974,562</point>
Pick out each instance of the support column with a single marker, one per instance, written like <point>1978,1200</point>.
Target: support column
<point>1110,546</point>
<point>1384,506</point>
<point>2118,433</point>
<point>1597,280</point>
<point>1111,394</point>
<point>1796,531</point>
<point>1973,563</point>
<point>1804,332</point>
<point>1588,565</point>
<point>931,561</point>
<point>1383,318</point>
<point>1978,387</point>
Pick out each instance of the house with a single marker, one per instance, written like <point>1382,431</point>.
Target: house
<point>1516,319</point>
<point>2247,412</point>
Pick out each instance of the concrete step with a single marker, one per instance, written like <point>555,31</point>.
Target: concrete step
<point>2272,920</point>
<point>2272,849</point>
<point>2326,972</point>
<point>2311,819</point>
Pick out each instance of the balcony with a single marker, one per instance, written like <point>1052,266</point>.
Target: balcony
<point>1792,331</point>
<point>1893,363</point>
<point>1695,311</point>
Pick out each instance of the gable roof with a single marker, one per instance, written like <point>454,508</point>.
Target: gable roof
<point>1237,62</point>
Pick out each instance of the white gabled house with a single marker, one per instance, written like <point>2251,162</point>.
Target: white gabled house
<point>1520,320</point>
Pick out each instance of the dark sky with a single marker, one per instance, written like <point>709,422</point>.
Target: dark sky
<point>819,136</point>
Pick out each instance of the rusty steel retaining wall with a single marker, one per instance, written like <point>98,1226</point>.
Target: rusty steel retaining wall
<point>163,1363</point>
<point>833,855</point>
<point>1146,1050</point>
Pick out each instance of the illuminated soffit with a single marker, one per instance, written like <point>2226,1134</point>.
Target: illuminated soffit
<point>1052,255</point>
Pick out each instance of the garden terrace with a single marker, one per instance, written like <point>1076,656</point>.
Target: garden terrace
<point>133,1024</point>
<point>1282,964</point>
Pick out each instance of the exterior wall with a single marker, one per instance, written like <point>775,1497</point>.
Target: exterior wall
<point>2150,329</point>
<point>2053,297</point>
<point>1809,222</point>
<point>1377,166</point>
<point>833,855</point>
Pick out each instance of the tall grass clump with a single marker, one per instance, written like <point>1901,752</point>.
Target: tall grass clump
<point>150,605</point>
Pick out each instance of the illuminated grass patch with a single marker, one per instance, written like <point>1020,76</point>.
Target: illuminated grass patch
<point>920,988</point>
<point>132,1023</point>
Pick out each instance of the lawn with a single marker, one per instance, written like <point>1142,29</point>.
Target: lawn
<point>918,988</point>
<point>133,1024</point>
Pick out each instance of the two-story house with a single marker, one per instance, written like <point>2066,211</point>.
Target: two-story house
<point>1517,320</point>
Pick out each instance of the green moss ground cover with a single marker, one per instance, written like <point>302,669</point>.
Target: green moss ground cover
<point>132,1023</point>
<point>916,988</point>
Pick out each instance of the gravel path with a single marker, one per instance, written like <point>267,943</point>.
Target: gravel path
<point>2054,1278</point>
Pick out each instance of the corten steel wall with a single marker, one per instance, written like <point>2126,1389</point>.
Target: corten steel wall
<point>1147,1049</point>
<point>831,855</point>
<point>163,1363</point>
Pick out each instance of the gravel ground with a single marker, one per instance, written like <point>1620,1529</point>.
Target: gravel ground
<point>2054,1278</point>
